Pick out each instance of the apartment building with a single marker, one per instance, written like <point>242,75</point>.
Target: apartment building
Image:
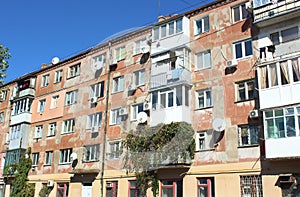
<point>278,79</point>
<point>228,68</point>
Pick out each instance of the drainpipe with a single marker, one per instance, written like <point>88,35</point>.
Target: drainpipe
<point>105,122</point>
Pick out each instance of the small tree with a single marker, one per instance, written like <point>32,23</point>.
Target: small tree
<point>20,185</point>
<point>4,56</point>
<point>45,191</point>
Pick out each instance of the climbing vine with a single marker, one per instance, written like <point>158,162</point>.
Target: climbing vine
<point>151,147</point>
<point>20,185</point>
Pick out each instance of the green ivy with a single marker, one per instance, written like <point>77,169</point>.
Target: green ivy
<point>45,191</point>
<point>151,147</point>
<point>20,185</point>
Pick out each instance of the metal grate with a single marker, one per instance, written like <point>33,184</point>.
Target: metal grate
<point>251,186</point>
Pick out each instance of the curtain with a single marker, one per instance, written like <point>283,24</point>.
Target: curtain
<point>296,72</point>
<point>273,73</point>
<point>284,73</point>
<point>263,77</point>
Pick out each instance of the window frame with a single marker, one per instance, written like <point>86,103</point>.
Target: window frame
<point>45,80</point>
<point>74,70</point>
<point>203,57</point>
<point>132,186</point>
<point>243,49</point>
<point>118,84</point>
<point>69,126</point>
<point>208,138</point>
<point>38,134</point>
<point>115,149</point>
<point>209,185</point>
<point>41,105</point>
<point>280,36</point>
<point>48,158</point>
<point>71,97</point>
<point>99,59</point>
<point>91,153</point>
<point>135,109</point>
<point>206,104</point>
<point>252,182</point>
<point>120,53</point>
<point>177,25</point>
<point>51,129</point>
<point>174,186</point>
<point>58,75</point>
<point>115,117</point>
<point>65,159</point>
<point>54,101</point>
<point>64,189</point>
<point>203,20</point>
<point>94,118</point>
<point>250,129</point>
<point>139,46</point>
<point>139,77</point>
<point>241,8</point>
<point>247,90</point>
<point>1,117</point>
<point>97,90</point>
<point>35,159</point>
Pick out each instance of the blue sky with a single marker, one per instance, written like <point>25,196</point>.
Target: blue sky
<point>35,31</point>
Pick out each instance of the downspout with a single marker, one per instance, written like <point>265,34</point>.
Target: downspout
<point>105,122</point>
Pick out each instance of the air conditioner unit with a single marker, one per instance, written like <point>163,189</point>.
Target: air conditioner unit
<point>94,99</point>
<point>231,63</point>
<point>123,111</point>
<point>109,184</point>
<point>253,113</point>
<point>50,183</point>
<point>147,106</point>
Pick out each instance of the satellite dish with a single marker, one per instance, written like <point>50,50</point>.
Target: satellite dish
<point>73,156</point>
<point>141,117</point>
<point>55,60</point>
<point>97,66</point>
<point>144,58</point>
<point>218,124</point>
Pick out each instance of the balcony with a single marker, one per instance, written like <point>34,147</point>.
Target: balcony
<point>269,13</point>
<point>282,147</point>
<point>167,78</point>
<point>22,117</point>
<point>26,92</point>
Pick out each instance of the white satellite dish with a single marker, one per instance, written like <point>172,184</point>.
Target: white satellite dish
<point>73,156</point>
<point>141,117</point>
<point>55,60</point>
<point>218,124</point>
<point>97,66</point>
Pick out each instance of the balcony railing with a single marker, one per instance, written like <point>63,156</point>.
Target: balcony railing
<point>166,78</point>
<point>271,9</point>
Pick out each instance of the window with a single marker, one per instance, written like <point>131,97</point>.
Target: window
<point>45,80</point>
<point>282,123</point>
<point>41,105</point>
<point>99,61</point>
<point>38,131</point>
<point>243,49</point>
<point>115,117</point>
<point>15,132</point>
<point>69,126</point>
<point>205,187</point>
<point>49,156</point>
<point>62,190</point>
<point>135,109</point>
<point>258,3</point>
<point>139,46</point>
<point>97,90</point>
<point>245,90</point>
<point>239,13</point>
<point>52,129</point>
<point>71,97</point>
<point>54,102</point>
<point>251,186</point>
<point>118,84</point>
<point>139,77</point>
<point>248,135</point>
<point>280,73</point>
<point>112,189</point>
<point>115,150</point>
<point>91,153</point>
<point>120,53</point>
<point>35,159</point>
<point>171,188</point>
<point>204,98</point>
<point>94,121</point>
<point>170,98</point>
<point>21,106</point>
<point>285,35</point>
<point>203,60</point>
<point>65,156</point>
<point>201,25</point>
<point>1,117</point>
<point>206,139</point>
<point>74,71</point>
<point>58,76</point>
<point>3,94</point>
<point>133,189</point>
<point>168,29</point>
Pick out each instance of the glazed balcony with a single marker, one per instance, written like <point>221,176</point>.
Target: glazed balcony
<point>269,12</point>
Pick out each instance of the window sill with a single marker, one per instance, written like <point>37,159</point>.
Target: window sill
<point>168,36</point>
<point>244,101</point>
<point>90,161</point>
<point>48,136</point>
<point>72,77</point>
<point>244,58</point>
<point>67,163</point>
<point>204,150</point>
<point>239,21</point>
<point>202,69</point>
<point>67,133</point>
<point>202,33</point>
<point>47,165</point>
<point>203,108</point>
<point>117,92</point>
<point>249,146</point>
<point>56,82</point>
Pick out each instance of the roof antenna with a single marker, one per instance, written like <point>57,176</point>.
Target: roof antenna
<point>158,8</point>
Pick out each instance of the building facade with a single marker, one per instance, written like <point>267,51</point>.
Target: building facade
<point>229,69</point>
